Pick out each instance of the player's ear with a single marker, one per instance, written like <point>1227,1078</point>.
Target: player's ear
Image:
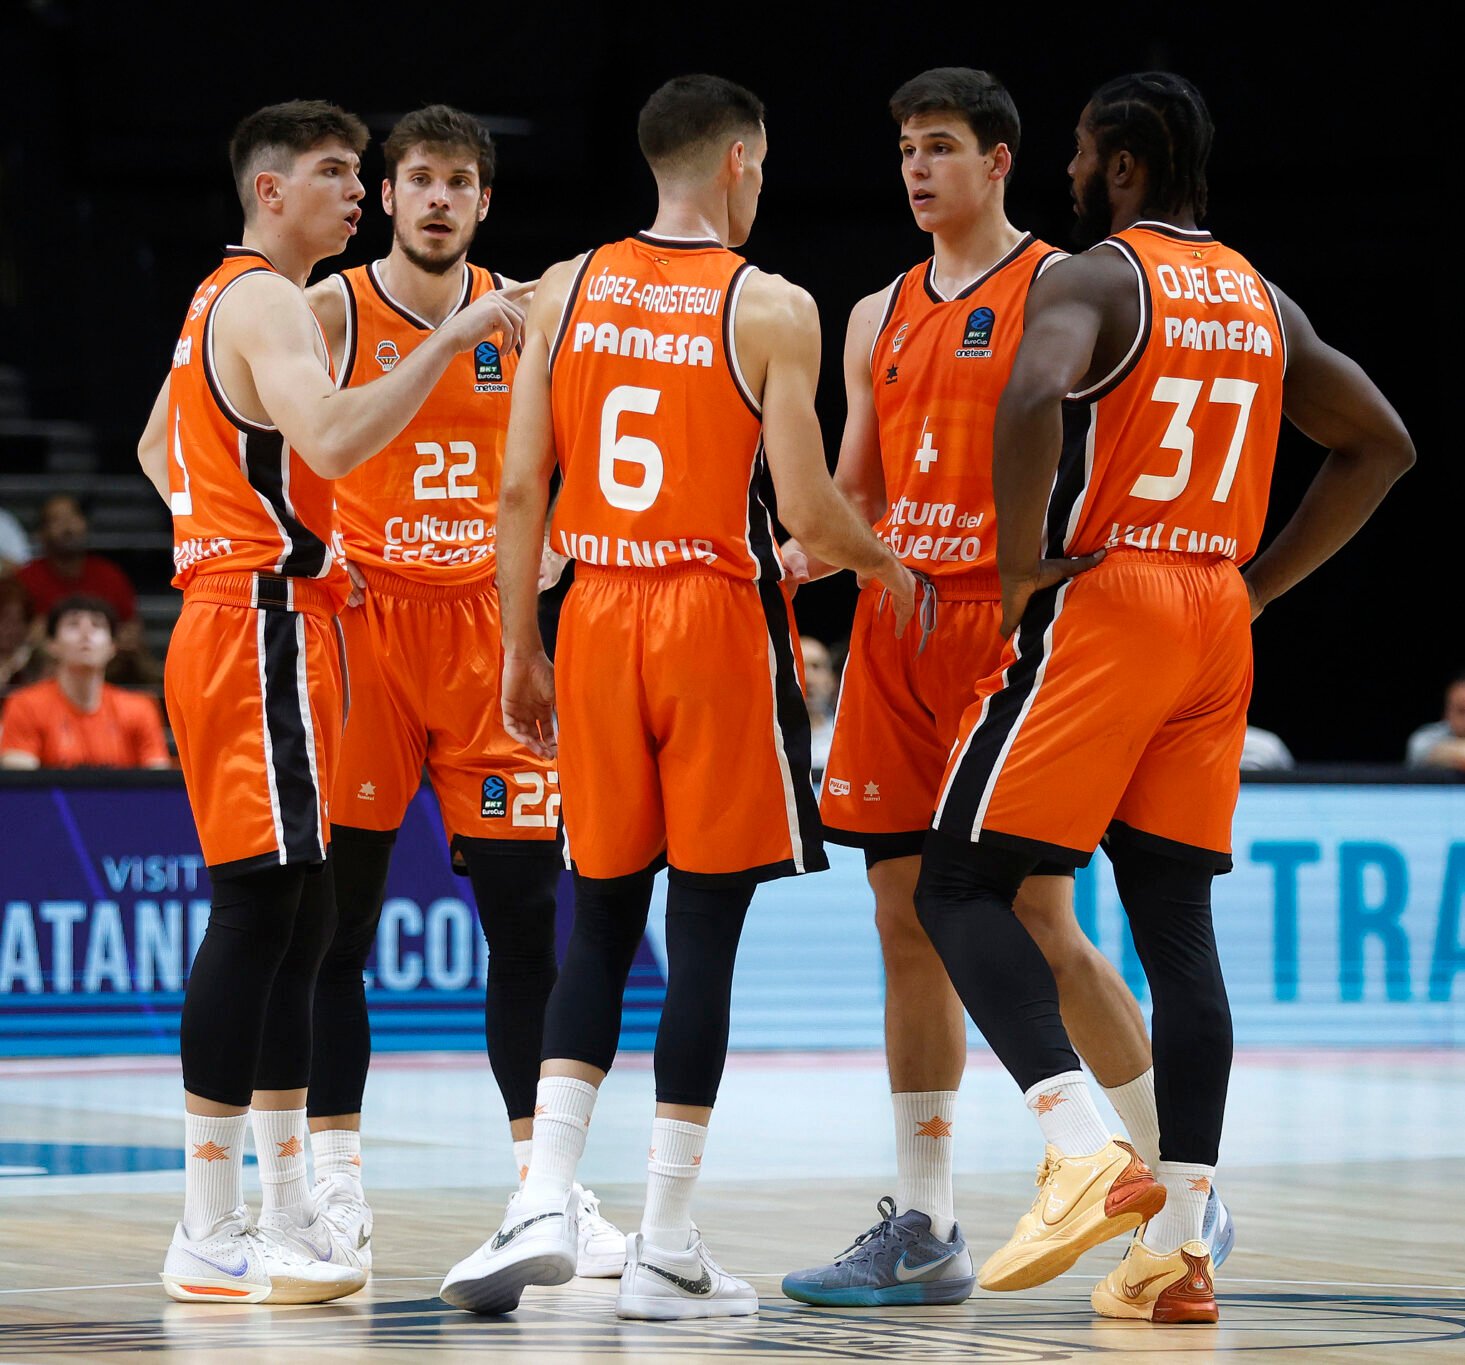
<point>1123,169</point>
<point>483,204</point>
<point>268,190</point>
<point>389,198</point>
<point>1001,162</point>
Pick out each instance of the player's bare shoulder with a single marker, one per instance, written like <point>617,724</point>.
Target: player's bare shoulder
<point>552,292</point>
<point>774,317</point>
<point>865,319</point>
<point>327,300</point>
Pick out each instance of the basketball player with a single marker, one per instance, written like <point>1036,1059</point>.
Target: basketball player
<point>243,441</point>
<point>658,370</point>
<point>926,360</point>
<point>424,652</point>
<point>1140,421</point>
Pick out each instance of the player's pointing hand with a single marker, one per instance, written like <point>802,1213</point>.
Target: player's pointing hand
<point>491,313</point>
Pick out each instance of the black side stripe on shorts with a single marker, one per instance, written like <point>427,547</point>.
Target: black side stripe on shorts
<point>1072,480</point>
<point>987,745</point>
<point>789,707</point>
<point>289,737</point>
<point>265,458</point>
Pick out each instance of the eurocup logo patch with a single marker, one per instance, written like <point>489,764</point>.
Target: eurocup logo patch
<point>976,341</point>
<point>495,798</point>
<point>387,355</point>
<point>488,369</point>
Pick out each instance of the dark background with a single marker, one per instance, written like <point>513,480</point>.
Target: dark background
<point>115,198</point>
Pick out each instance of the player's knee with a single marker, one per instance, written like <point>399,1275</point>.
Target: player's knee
<point>257,910</point>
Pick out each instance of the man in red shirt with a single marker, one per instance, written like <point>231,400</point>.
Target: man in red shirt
<point>65,569</point>
<point>76,719</point>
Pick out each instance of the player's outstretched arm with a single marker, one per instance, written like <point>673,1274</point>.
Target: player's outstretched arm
<point>778,338</point>
<point>1066,310</point>
<point>152,446</point>
<point>859,474</point>
<point>1329,398</point>
<point>264,322</point>
<point>529,460</point>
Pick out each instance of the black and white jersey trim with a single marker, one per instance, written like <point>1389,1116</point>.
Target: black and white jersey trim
<point>571,299</point>
<point>730,337</point>
<point>401,309</point>
<point>892,297</point>
<point>966,291</point>
<point>1142,333</point>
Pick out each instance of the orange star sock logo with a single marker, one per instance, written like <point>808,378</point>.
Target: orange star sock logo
<point>291,1146</point>
<point>934,1127</point>
<point>210,1151</point>
<point>1201,1184</point>
<point>1046,1104</point>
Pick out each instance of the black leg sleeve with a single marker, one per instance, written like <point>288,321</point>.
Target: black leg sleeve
<point>341,1050</point>
<point>583,1020</point>
<point>285,1047</point>
<point>1168,901</point>
<point>516,904</point>
<point>964,900</point>
<point>703,927</point>
<point>226,1004</point>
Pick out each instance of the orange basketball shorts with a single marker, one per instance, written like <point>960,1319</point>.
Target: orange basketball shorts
<point>425,662</point>
<point>1120,706</point>
<point>683,731</point>
<point>255,701</point>
<point>900,710</point>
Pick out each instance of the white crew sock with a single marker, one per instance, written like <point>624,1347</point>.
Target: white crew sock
<point>1187,1187</point>
<point>337,1152</point>
<point>523,1150</point>
<point>279,1143</point>
<point>561,1116</point>
<point>1134,1102</point>
<point>923,1121</point>
<point>672,1167</point>
<point>213,1171</point>
<point>1066,1114</point>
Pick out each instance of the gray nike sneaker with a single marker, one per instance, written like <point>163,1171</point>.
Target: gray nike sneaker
<point>663,1285</point>
<point>899,1260</point>
<point>535,1244</point>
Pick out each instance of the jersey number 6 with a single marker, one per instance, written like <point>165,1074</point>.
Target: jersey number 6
<point>638,450</point>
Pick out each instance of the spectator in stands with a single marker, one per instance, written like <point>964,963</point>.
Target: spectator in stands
<point>1264,752</point>
<point>20,661</point>
<point>76,719</point>
<point>820,686</point>
<point>15,545</point>
<point>1441,744</point>
<point>64,568</point>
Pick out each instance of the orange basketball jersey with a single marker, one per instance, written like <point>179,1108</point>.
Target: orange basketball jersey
<point>938,367</point>
<point>658,437</point>
<point>426,506</point>
<point>1173,452</point>
<point>242,501</point>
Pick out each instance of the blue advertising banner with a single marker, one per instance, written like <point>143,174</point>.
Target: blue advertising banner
<point>1342,924</point>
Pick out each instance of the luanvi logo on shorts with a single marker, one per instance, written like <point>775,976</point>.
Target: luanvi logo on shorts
<point>702,1286</point>
<point>502,1239</point>
<point>495,798</point>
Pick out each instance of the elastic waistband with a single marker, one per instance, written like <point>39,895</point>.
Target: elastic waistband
<point>688,568</point>
<point>1163,559</point>
<point>265,592</point>
<point>981,585</point>
<point>390,584</point>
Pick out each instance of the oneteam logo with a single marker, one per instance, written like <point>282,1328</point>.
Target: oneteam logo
<point>488,369</point>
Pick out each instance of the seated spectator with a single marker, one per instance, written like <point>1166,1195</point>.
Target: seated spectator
<point>20,661</point>
<point>76,719</point>
<point>65,569</point>
<point>1441,744</point>
<point>1264,752</point>
<point>15,545</point>
<point>820,686</point>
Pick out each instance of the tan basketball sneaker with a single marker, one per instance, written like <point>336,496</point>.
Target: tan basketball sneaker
<point>1082,1201</point>
<point>1175,1286</point>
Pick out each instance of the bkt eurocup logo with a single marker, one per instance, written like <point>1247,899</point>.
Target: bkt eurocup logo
<point>495,798</point>
<point>976,341</point>
<point>488,369</point>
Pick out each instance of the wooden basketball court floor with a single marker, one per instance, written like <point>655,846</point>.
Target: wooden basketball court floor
<point>1343,1169</point>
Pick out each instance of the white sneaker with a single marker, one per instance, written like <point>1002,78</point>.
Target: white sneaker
<point>680,1284</point>
<point>303,1262</point>
<point>225,1266</point>
<point>602,1253</point>
<point>535,1244</point>
<point>347,1215</point>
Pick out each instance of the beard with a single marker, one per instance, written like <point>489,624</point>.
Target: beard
<point>1095,219</point>
<point>430,264</point>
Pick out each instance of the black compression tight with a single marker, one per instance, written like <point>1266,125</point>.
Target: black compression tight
<point>247,1010</point>
<point>515,892</point>
<point>1168,901</point>
<point>703,926</point>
